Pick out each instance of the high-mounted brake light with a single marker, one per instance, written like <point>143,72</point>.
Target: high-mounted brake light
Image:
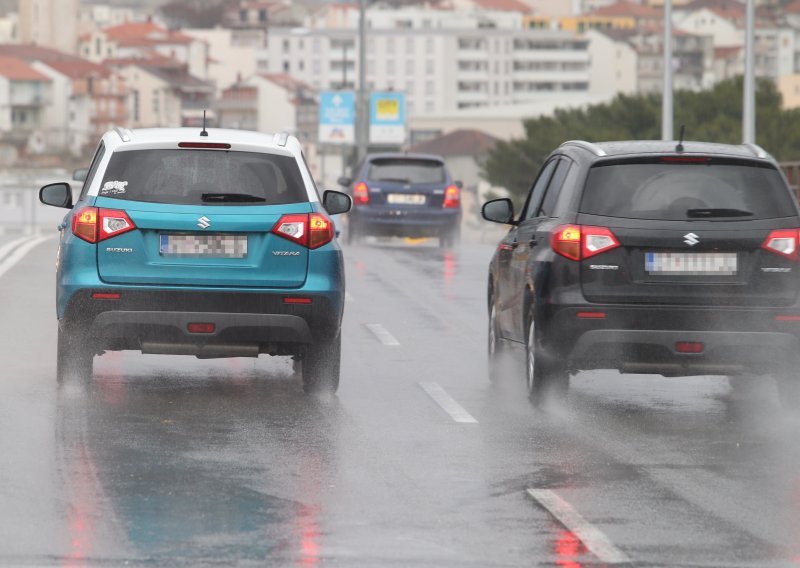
<point>689,347</point>
<point>360,194</point>
<point>94,225</point>
<point>784,242</point>
<point>579,242</point>
<point>685,159</point>
<point>201,327</point>
<point>309,230</point>
<point>205,145</point>
<point>452,197</point>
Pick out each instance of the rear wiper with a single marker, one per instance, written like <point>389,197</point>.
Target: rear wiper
<point>398,180</point>
<point>712,212</point>
<point>231,197</point>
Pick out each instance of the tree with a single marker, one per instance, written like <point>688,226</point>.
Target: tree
<point>713,116</point>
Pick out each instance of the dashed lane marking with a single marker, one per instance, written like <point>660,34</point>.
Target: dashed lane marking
<point>447,403</point>
<point>382,334</point>
<point>594,539</point>
<point>20,253</point>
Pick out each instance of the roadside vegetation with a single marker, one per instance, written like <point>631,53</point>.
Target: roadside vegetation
<point>710,116</point>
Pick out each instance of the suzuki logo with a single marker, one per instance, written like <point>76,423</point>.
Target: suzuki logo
<point>204,222</point>
<point>691,239</point>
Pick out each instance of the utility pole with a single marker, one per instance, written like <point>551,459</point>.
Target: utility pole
<point>749,98</point>
<point>362,105</point>
<point>667,131</point>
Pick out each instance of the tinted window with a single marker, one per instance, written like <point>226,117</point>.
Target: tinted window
<point>668,191</point>
<point>535,196</point>
<point>554,189</point>
<point>98,157</point>
<point>184,176</point>
<point>406,170</point>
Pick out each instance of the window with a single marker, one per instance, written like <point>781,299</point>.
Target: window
<point>390,45</point>
<point>98,157</point>
<point>554,189</point>
<point>429,66</point>
<point>390,66</point>
<point>535,195</point>
<point>409,66</point>
<point>156,101</point>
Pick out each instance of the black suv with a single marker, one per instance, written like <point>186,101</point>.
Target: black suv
<point>649,257</point>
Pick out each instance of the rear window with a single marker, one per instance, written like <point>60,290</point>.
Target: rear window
<point>403,170</point>
<point>208,177</point>
<point>731,189</point>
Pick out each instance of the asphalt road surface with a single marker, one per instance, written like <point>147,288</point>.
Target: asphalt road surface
<point>418,461</point>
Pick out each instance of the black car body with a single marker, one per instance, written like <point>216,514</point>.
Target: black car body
<point>650,258</point>
<point>401,194</point>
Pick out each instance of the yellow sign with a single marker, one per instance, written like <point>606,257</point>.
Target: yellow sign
<point>387,109</point>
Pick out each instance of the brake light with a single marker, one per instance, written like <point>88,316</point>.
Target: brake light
<point>452,197</point>
<point>783,242</point>
<point>94,225</point>
<point>296,300</point>
<point>685,159</point>
<point>591,315</point>
<point>311,231</point>
<point>361,193</point>
<point>205,145</point>
<point>106,296</point>
<point>201,327</point>
<point>689,347</point>
<point>579,242</point>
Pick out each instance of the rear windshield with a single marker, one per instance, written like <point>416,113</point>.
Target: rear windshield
<point>208,177</point>
<point>405,170</point>
<point>731,189</point>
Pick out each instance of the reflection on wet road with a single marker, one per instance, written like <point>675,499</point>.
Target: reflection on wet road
<point>418,461</point>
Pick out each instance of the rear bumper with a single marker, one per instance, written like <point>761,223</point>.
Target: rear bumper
<point>404,222</point>
<point>644,339</point>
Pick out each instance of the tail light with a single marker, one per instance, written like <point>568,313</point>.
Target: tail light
<point>452,197</point>
<point>579,242</point>
<point>309,230</point>
<point>361,193</point>
<point>784,242</point>
<point>94,225</point>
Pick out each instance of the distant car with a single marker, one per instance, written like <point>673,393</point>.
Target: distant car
<point>213,244</point>
<point>404,195</point>
<point>649,257</point>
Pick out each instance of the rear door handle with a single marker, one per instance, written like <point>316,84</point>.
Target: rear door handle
<point>533,241</point>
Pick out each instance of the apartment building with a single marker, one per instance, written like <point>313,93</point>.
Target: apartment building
<point>49,23</point>
<point>25,94</point>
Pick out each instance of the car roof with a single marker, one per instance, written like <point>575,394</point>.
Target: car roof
<point>408,155</point>
<point>658,147</point>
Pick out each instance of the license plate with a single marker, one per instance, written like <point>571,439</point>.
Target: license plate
<point>691,263</point>
<point>406,199</point>
<point>208,246</point>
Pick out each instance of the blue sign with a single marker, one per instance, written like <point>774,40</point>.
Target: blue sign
<point>387,118</point>
<point>337,117</point>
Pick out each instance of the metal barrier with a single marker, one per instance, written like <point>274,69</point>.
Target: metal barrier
<point>20,209</point>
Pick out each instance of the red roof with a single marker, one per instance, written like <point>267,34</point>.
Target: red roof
<point>79,69</point>
<point>793,8</point>
<point>144,33</point>
<point>18,70</point>
<point>727,52</point>
<point>728,9</point>
<point>622,9</point>
<point>504,5</point>
<point>457,143</point>
<point>286,81</point>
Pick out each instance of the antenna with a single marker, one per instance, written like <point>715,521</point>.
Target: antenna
<point>679,147</point>
<point>205,133</point>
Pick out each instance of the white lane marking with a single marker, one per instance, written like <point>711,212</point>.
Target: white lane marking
<point>20,253</point>
<point>590,535</point>
<point>382,334</point>
<point>348,297</point>
<point>447,403</point>
<point>9,246</point>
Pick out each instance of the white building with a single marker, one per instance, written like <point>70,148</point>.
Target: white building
<point>49,23</point>
<point>232,54</point>
<point>25,95</point>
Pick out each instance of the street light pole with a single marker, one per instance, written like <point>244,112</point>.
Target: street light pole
<point>362,107</point>
<point>749,103</point>
<point>667,130</point>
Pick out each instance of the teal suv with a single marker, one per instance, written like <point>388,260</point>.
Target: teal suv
<point>207,243</point>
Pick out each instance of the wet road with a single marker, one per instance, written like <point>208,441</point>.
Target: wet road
<point>418,461</point>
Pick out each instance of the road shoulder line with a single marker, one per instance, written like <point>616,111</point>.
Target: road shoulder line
<point>20,253</point>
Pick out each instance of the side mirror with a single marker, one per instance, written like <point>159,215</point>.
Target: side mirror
<point>344,181</point>
<point>336,202</point>
<point>459,184</point>
<point>57,195</point>
<point>80,174</point>
<point>499,211</point>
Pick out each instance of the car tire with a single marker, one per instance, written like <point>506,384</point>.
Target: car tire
<point>321,366</point>
<point>788,384</point>
<point>547,380</point>
<point>74,359</point>
<point>496,349</point>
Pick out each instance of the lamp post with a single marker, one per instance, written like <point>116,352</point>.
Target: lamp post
<point>749,96</point>
<point>362,105</point>
<point>667,131</point>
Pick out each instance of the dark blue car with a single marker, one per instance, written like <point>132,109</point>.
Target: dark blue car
<point>404,195</point>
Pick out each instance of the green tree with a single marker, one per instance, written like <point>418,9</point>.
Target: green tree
<point>712,116</point>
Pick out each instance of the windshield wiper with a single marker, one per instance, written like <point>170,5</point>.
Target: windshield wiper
<point>232,198</point>
<point>713,212</point>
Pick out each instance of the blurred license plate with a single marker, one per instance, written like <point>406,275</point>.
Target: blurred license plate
<point>691,263</point>
<point>406,199</point>
<point>213,246</point>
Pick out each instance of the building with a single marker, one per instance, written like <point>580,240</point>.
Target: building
<point>619,15</point>
<point>25,94</point>
<point>232,53</point>
<point>49,23</point>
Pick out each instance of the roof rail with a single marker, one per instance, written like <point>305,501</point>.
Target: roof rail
<point>123,133</point>
<point>280,138</point>
<point>757,150</point>
<point>593,148</point>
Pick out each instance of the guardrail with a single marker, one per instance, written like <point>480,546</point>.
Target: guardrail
<point>20,209</point>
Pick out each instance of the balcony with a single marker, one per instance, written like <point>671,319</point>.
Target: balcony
<point>28,99</point>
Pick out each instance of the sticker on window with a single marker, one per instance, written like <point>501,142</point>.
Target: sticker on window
<point>114,188</point>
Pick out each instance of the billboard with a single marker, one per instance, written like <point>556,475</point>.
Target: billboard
<point>337,117</point>
<point>387,118</point>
